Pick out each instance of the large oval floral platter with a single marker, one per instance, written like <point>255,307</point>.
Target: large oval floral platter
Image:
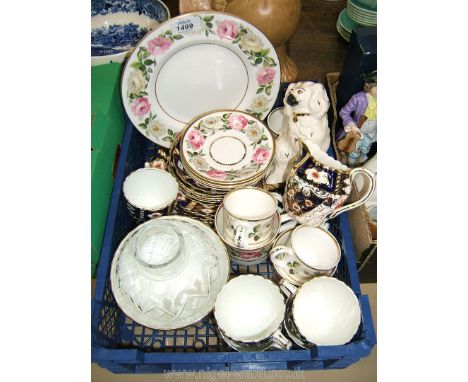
<point>196,63</point>
<point>227,147</point>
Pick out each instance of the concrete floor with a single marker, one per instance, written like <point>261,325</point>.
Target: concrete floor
<point>363,371</point>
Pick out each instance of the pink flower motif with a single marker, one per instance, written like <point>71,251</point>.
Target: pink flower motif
<point>260,155</point>
<point>317,176</point>
<point>217,174</point>
<point>195,138</point>
<point>159,164</point>
<point>140,106</point>
<point>237,122</point>
<point>159,45</point>
<point>227,29</point>
<point>265,76</point>
<point>249,255</point>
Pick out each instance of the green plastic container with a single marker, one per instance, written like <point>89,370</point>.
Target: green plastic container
<point>107,126</point>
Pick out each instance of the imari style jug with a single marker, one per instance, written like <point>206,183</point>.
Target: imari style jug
<point>318,186</point>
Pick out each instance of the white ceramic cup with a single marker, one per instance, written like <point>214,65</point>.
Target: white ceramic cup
<point>322,312</point>
<point>309,252</point>
<point>278,121</point>
<point>249,214</point>
<point>149,193</point>
<point>249,311</point>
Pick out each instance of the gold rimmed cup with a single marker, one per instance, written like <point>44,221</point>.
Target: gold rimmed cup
<point>251,256</point>
<point>249,214</point>
<point>305,252</point>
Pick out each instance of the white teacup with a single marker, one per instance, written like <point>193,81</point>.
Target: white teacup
<point>309,252</point>
<point>249,215</point>
<point>149,193</point>
<point>323,311</point>
<point>278,121</point>
<point>249,311</point>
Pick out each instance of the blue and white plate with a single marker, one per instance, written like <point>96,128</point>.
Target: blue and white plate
<point>118,25</point>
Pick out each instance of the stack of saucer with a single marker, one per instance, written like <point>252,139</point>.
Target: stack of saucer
<point>217,152</point>
<point>357,13</point>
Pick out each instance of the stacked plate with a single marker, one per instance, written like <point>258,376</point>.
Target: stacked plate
<point>344,25</point>
<point>363,12</point>
<point>358,13</point>
<point>217,152</point>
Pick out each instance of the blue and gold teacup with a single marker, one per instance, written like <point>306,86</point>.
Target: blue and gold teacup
<point>149,193</point>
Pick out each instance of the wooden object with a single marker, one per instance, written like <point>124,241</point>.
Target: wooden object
<point>278,19</point>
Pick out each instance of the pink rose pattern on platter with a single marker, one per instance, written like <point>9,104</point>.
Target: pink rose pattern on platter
<point>265,76</point>
<point>227,29</point>
<point>145,60</point>
<point>140,106</point>
<point>260,146</point>
<point>159,45</point>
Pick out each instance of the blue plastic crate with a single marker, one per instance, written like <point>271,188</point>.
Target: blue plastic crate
<point>122,346</point>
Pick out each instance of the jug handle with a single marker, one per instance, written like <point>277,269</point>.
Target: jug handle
<point>371,176</point>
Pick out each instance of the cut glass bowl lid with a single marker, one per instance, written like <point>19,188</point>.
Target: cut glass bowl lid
<point>167,272</point>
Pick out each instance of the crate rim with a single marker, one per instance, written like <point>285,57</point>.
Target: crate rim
<point>136,356</point>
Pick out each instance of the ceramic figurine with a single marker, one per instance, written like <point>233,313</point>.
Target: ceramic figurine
<point>306,106</point>
<point>278,19</point>
<point>318,187</point>
<point>359,117</point>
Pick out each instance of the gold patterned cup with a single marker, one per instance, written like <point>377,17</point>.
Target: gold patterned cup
<point>249,214</point>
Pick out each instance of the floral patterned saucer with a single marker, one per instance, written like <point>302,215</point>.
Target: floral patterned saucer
<point>187,184</point>
<point>227,148</point>
<point>194,63</point>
